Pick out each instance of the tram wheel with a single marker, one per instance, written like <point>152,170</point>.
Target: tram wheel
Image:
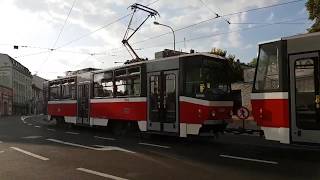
<point>118,128</point>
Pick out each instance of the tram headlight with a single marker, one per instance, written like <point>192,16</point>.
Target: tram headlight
<point>231,113</point>
<point>213,113</point>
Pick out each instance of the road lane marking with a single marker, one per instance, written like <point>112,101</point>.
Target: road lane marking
<point>37,126</point>
<point>1,151</point>
<point>105,138</point>
<point>74,133</point>
<point>248,159</point>
<point>30,154</point>
<point>101,148</point>
<point>51,129</point>
<point>23,118</point>
<point>30,125</point>
<point>31,137</point>
<point>111,148</point>
<point>155,145</point>
<point>100,174</point>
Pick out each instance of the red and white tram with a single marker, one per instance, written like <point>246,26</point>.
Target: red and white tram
<point>180,95</point>
<point>286,93</point>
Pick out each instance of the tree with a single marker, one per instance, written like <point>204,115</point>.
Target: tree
<point>313,6</point>
<point>219,52</point>
<point>253,62</point>
<point>236,70</point>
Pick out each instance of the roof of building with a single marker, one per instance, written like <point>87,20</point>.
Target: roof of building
<point>38,81</point>
<point>21,68</point>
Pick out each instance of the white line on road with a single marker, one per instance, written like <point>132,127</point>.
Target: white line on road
<point>111,148</point>
<point>31,137</point>
<point>101,148</point>
<point>30,154</point>
<point>248,159</point>
<point>51,129</point>
<point>23,118</point>
<point>100,174</point>
<point>155,145</point>
<point>1,151</point>
<point>74,133</point>
<point>30,125</point>
<point>37,126</point>
<point>105,138</point>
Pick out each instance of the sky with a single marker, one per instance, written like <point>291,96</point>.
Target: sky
<point>80,40</point>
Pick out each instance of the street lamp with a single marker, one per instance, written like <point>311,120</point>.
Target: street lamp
<point>174,36</point>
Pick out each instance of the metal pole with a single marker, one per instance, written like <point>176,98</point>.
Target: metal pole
<point>174,35</point>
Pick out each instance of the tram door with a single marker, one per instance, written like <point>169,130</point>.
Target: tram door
<point>163,102</point>
<point>305,97</point>
<point>83,104</point>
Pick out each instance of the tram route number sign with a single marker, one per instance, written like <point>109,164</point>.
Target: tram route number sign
<point>243,113</point>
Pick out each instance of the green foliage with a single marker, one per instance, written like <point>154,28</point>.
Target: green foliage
<point>236,69</point>
<point>313,7</point>
<point>219,52</point>
<point>253,62</point>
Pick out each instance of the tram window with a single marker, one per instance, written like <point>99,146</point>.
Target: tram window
<point>208,80</point>
<point>103,85</point>
<point>68,90</point>
<point>128,84</point>
<point>267,75</point>
<point>55,91</point>
<point>121,88</point>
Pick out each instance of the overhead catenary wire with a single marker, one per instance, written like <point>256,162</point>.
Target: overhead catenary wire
<point>157,36</point>
<point>231,31</point>
<point>64,24</point>
<point>59,35</point>
<point>213,18</point>
<point>213,12</point>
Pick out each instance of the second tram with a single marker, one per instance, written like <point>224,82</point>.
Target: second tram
<point>286,93</point>
<point>180,96</point>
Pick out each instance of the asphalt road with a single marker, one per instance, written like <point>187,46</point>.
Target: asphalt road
<point>30,148</point>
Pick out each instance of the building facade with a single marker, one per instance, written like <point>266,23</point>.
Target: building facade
<point>15,76</point>
<point>5,101</point>
<point>38,100</point>
<point>242,90</point>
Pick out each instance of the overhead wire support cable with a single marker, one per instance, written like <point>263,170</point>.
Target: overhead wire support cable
<point>213,12</point>
<point>231,31</point>
<point>213,18</point>
<point>64,24</point>
<point>59,35</point>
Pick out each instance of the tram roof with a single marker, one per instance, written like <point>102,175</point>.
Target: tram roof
<point>301,36</point>
<point>297,36</point>
<point>143,62</point>
<point>162,59</point>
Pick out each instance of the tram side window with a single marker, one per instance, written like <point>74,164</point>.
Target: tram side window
<point>135,84</point>
<point>267,73</point>
<point>68,90</point>
<point>55,91</point>
<point>103,85</point>
<point>128,82</point>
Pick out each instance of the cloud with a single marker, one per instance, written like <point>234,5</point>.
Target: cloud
<point>46,17</point>
<point>270,18</point>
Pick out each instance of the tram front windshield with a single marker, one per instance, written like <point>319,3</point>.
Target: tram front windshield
<point>207,79</point>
